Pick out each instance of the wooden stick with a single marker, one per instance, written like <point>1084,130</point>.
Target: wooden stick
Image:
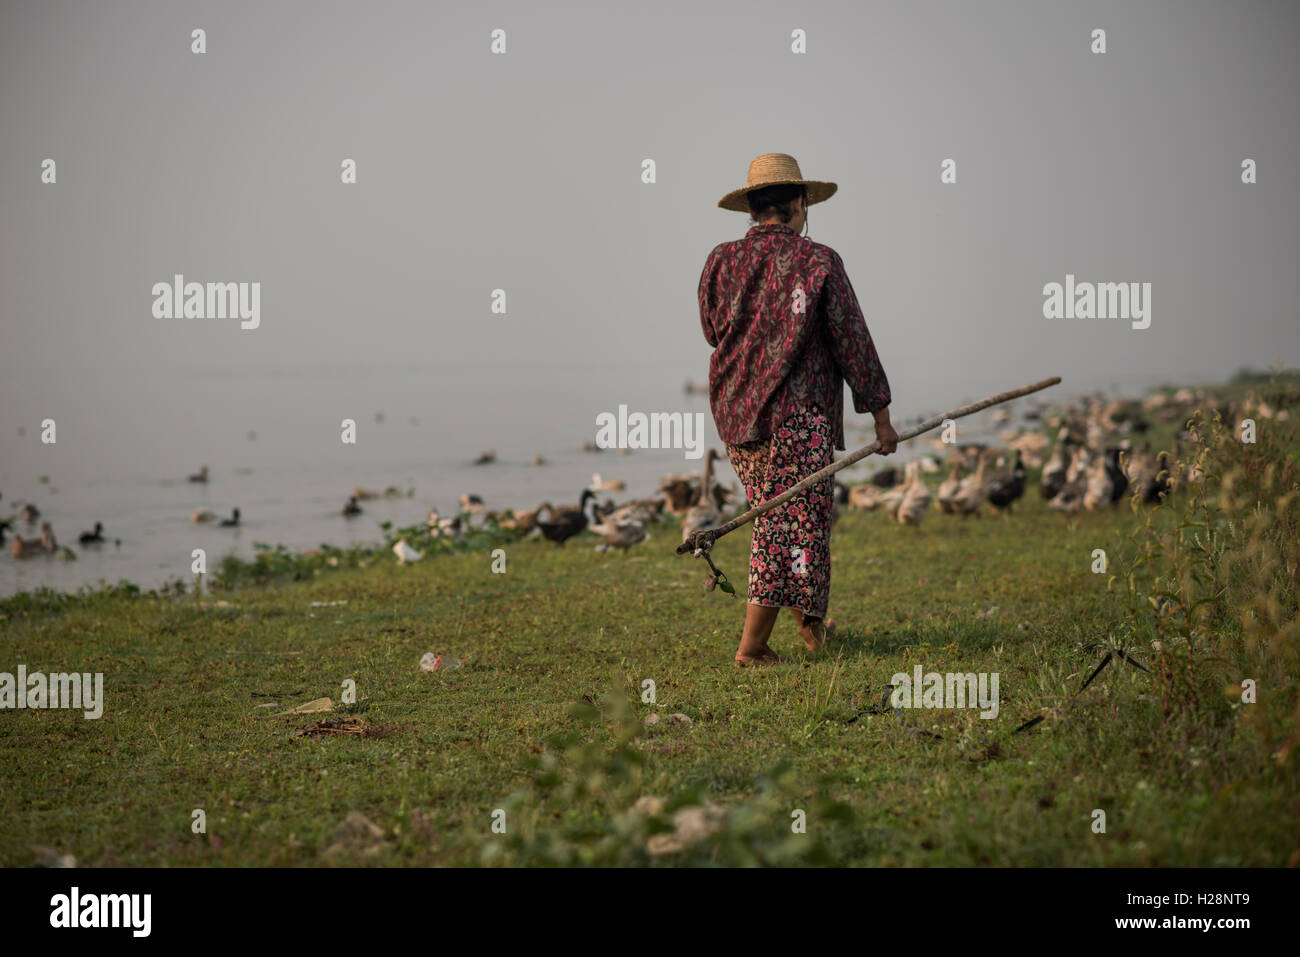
<point>704,539</point>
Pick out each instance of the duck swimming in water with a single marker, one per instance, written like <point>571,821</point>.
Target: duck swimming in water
<point>29,547</point>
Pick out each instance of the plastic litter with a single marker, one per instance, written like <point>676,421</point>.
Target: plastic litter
<point>405,553</point>
<point>432,662</point>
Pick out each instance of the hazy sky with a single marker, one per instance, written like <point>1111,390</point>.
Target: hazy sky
<point>522,171</point>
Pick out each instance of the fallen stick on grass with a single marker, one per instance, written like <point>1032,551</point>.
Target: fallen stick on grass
<point>700,542</point>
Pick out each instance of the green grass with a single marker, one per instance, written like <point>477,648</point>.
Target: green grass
<point>1012,594</point>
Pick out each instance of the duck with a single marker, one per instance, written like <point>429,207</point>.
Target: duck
<point>351,508</point>
<point>971,453</point>
<point>590,446</point>
<point>677,492</point>
<point>440,527</point>
<point>1098,486</point>
<point>973,490</point>
<point>599,484</point>
<point>1006,489</point>
<point>1141,466</point>
<point>723,495</point>
<point>948,487</point>
<point>618,534</point>
<point>1033,445</point>
<point>1054,472</point>
<point>1069,498</point>
<point>486,458</point>
<point>30,547</point>
<point>916,497</point>
<point>567,520</point>
<point>203,515</point>
<point>469,502</point>
<point>645,511</point>
<point>523,522</point>
<point>864,497</point>
<point>703,513</point>
<point>201,475</point>
<point>233,521</point>
<point>539,460</point>
<point>90,538</point>
<point>1115,471</point>
<point>885,478</point>
<point>892,498</point>
<point>29,513</point>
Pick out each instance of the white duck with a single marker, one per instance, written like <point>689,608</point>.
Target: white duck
<point>1098,486</point>
<point>916,497</point>
<point>948,488</point>
<point>599,484</point>
<point>892,498</point>
<point>973,491</point>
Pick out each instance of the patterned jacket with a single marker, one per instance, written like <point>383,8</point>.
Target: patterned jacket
<point>787,333</point>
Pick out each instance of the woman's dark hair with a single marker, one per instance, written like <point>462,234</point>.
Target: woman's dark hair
<point>775,201</point>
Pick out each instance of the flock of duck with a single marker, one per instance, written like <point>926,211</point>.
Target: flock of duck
<point>1099,456</point>
<point>698,500</point>
<point>1092,466</point>
<point>46,544</point>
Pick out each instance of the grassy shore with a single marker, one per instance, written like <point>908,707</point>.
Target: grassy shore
<point>544,730</point>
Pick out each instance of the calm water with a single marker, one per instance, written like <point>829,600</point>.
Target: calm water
<point>127,440</point>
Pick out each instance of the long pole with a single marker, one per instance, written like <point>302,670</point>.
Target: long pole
<point>703,540</point>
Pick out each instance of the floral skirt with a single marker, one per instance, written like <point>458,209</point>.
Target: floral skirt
<point>790,556</point>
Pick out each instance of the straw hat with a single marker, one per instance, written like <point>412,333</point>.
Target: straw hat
<point>775,169</point>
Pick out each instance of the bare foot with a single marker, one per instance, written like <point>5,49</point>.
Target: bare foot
<point>816,635</point>
<point>764,657</point>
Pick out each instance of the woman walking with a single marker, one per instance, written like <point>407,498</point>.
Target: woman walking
<point>787,334</point>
